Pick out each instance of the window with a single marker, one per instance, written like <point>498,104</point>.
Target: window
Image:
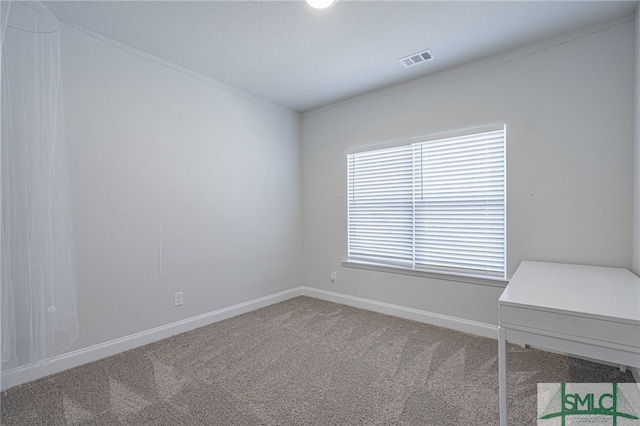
<point>435,205</point>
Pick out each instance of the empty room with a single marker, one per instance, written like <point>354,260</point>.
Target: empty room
<point>320,212</point>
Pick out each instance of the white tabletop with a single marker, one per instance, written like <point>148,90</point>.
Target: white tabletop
<point>594,291</point>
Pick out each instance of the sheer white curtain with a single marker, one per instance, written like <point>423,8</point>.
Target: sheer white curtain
<point>38,300</point>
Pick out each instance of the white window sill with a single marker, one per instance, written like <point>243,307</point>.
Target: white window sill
<point>493,282</point>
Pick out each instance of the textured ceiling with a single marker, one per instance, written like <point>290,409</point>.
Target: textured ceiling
<point>304,58</point>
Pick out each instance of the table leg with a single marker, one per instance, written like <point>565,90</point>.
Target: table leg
<point>502,375</point>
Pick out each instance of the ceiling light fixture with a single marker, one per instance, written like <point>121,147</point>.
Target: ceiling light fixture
<point>320,4</point>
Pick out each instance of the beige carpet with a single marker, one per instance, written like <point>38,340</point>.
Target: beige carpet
<point>300,362</point>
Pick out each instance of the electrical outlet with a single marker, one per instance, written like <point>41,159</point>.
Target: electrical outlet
<point>177,298</point>
<point>333,276</point>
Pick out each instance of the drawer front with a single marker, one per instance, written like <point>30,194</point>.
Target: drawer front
<point>590,328</point>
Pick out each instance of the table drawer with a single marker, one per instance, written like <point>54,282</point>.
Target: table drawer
<point>591,328</point>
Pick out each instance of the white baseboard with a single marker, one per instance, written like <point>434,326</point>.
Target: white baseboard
<point>73,359</point>
<point>459,324</point>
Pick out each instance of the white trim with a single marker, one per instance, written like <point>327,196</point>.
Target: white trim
<point>73,359</point>
<point>471,69</point>
<point>219,85</point>
<point>458,324</point>
<point>493,282</point>
<point>453,323</point>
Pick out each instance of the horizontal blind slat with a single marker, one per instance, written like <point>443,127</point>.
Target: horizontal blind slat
<point>437,205</point>
<point>380,205</point>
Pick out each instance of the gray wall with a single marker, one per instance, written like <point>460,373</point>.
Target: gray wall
<point>568,108</point>
<point>219,168</point>
<point>222,170</point>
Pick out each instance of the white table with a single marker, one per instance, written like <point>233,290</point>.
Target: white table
<point>588,311</point>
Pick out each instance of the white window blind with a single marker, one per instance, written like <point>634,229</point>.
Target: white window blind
<point>381,206</point>
<point>437,205</point>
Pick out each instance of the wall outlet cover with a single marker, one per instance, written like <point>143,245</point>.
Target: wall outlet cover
<point>177,298</point>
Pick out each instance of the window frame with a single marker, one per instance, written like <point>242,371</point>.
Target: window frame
<point>458,276</point>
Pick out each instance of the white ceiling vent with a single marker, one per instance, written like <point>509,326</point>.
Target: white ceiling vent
<point>416,58</point>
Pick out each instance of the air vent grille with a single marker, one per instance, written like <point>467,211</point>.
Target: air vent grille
<point>416,58</point>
